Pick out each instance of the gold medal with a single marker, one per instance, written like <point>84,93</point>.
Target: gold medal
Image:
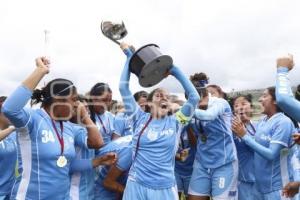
<point>61,161</point>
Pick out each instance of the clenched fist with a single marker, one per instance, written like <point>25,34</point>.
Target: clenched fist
<point>286,61</point>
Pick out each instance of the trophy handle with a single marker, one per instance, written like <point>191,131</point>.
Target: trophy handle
<point>112,31</point>
<point>115,41</point>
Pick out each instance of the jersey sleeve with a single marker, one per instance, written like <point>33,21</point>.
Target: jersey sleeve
<point>282,132</point>
<point>124,159</point>
<point>80,136</point>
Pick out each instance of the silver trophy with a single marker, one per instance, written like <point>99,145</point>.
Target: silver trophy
<point>147,63</point>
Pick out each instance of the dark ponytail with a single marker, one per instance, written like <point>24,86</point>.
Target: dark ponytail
<point>57,87</point>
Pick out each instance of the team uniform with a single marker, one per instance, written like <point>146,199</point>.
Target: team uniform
<point>151,175</point>
<point>82,183</point>
<point>105,124</point>
<point>184,169</point>
<point>246,176</point>
<point>286,101</point>
<point>272,175</point>
<point>153,167</point>
<point>43,176</point>
<point>123,148</point>
<point>123,125</point>
<point>215,167</point>
<point>8,161</point>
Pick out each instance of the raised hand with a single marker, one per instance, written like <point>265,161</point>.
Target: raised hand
<point>296,138</point>
<point>43,64</point>
<point>238,127</point>
<point>107,159</point>
<point>286,61</point>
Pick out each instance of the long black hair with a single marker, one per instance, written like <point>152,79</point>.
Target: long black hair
<point>140,94</point>
<point>57,87</point>
<point>272,92</point>
<point>248,97</point>
<point>97,90</point>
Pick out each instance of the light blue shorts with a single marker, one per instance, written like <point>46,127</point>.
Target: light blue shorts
<point>135,190</point>
<point>220,183</point>
<point>182,183</point>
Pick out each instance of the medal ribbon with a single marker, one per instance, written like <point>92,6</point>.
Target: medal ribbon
<point>140,134</point>
<point>253,129</point>
<point>101,122</point>
<point>59,136</point>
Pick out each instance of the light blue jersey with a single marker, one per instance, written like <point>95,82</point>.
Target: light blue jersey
<point>82,183</point>
<point>152,172</point>
<point>215,143</point>
<point>215,168</point>
<point>8,161</point>
<point>153,165</point>
<point>245,156</point>
<point>246,175</point>
<point>123,148</point>
<point>105,124</point>
<point>40,149</point>
<point>123,125</point>
<point>271,175</point>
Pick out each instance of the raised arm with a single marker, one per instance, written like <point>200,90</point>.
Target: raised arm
<point>211,113</point>
<point>130,104</point>
<point>188,109</point>
<point>94,137</point>
<point>284,94</point>
<point>14,104</point>
<point>79,165</point>
<point>269,153</point>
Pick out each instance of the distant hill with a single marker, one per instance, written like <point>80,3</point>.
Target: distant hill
<point>256,93</point>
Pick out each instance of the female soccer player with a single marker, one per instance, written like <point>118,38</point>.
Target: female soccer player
<point>111,181</point>
<point>242,106</point>
<point>46,138</point>
<point>185,157</point>
<point>289,105</point>
<point>100,100</point>
<point>8,155</point>
<point>215,167</point>
<point>155,138</point>
<point>273,135</point>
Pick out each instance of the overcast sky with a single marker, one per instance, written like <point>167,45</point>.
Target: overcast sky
<point>235,42</point>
